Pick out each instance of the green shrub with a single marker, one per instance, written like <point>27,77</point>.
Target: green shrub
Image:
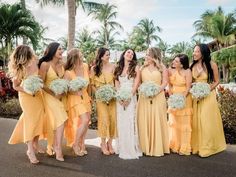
<point>227,104</point>
<point>10,108</point>
<point>93,122</point>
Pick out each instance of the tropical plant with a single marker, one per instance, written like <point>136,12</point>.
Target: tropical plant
<point>72,6</point>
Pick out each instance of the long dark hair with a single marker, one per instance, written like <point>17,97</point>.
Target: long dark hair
<point>121,64</point>
<point>206,59</point>
<point>49,53</point>
<point>98,61</point>
<point>183,60</point>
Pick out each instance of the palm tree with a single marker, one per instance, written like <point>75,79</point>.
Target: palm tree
<point>17,23</point>
<point>136,40</point>
<point>181,47</point>
<point>164,47</point>
<point>148,30</point>
<point>107,38</point>
<point>106,15</point>
<point>72,6</point>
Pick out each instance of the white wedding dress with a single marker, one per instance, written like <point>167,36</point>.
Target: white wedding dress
<point>127,145</point>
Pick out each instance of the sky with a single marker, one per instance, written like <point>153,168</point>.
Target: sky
<point>175,17</point>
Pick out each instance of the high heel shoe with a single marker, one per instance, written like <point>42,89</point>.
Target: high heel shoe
<point>83,149</point>
<point>110,149</point>
<point>59,156</point>
<point>38,149</point>
<point>104,149</point>
<point>32,158</point>
<point>77,150</point>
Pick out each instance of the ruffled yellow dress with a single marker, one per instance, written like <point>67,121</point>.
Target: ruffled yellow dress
<point>207,129</point>
<point>152,119</point>
<point>180,119</point>
<point>55,110</point>
<point>76,106</point>
<point>106,114</point>
<point>32,119</point>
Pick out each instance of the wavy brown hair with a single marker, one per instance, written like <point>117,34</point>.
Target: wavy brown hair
<point>72,58</point>
<point>19,59</point>
<point>121,64</point>
<point>98,61</point>
<point>155,53</point>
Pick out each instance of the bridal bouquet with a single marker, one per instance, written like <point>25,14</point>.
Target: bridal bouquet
<point>149,89</point>
<point>77,84</point>
<point>32,84</point>
<point>59,86</point>
<point>105,93</point>
<point>176,101</point>
<point>124,94</point>
<point>200,90</point>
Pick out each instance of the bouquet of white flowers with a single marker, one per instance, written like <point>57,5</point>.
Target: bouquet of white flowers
<point>149,89</point>
<point>124,94</point>
<point>77,84</point>
<point>176,101</point>
<point>32,84</point>
<point>59,86</point>
<point>200,90</point>
<point>105,93</point>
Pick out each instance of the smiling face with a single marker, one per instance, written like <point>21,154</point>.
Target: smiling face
<point>197,55</point>
<point>148,57</point>
<point>79,59</point>
<point>106,56</point>
<point>176,63</point>
<point>59,52</point>
<point>129,55</point>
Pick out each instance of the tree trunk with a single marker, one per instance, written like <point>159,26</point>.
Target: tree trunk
<point>24,7</point>
<point>71,23</point>
<point>106,35</point>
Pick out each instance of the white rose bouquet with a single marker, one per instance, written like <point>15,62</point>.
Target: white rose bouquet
<point>32,84</point>
<point>149,89</point>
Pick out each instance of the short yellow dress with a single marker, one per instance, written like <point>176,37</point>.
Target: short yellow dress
<point>152,119</point>
<point>180,119</point>
<point>106,114</point>
<point>76,106</point>
<point>207,129</point>
<point>31,121</point>
<point>55,110</point>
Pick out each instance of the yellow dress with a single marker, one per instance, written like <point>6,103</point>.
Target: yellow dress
<point>152,119</point>
<point>76,106</point>
<point>55,110</point>
<point>31,121</point>
<point>180,119</point>
<point>207,129</point>
<point>106,114</point>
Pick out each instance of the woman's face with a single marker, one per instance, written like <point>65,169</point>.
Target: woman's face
<point>106,56</point>
<point>129,55</point>
<point>197,54</point>
<point>176,63</point>
<point>148,58</point>
<point>59,52</point>
<point>79,59</point>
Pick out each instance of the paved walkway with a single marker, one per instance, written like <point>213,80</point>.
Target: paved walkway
<point>14,162</point>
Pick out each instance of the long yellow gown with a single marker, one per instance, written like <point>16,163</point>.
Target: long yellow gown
<point>55,110</point>
<point>207,129</point>
<point>106,114</point>
<point>76,106</point>
<point>180,119</point>
<point>152,119</point>
<point>31,121</point>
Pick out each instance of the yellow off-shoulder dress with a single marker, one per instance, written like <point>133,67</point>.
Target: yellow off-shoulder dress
<point>207,129</point>
<point>180,119</point>
<point>55,111</point>
<point>32,120</point>
<point>152,119</point>
<point>106,114</point>
<point>76,106</point>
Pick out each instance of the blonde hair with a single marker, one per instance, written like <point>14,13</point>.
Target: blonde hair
<point>155,53</point>
<point>19,59</point>
<point>72,57</point>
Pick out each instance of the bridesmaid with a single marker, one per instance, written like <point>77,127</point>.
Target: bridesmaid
<point>152,118</point>
<point>30,125</point>
<point>180,78</point>
<point>51,68</point>
<point>78,103</point>
<point>207,134</point>
<point>101,74</point>
<point>127,74</point>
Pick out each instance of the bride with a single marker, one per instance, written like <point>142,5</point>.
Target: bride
<point>127,75</point>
